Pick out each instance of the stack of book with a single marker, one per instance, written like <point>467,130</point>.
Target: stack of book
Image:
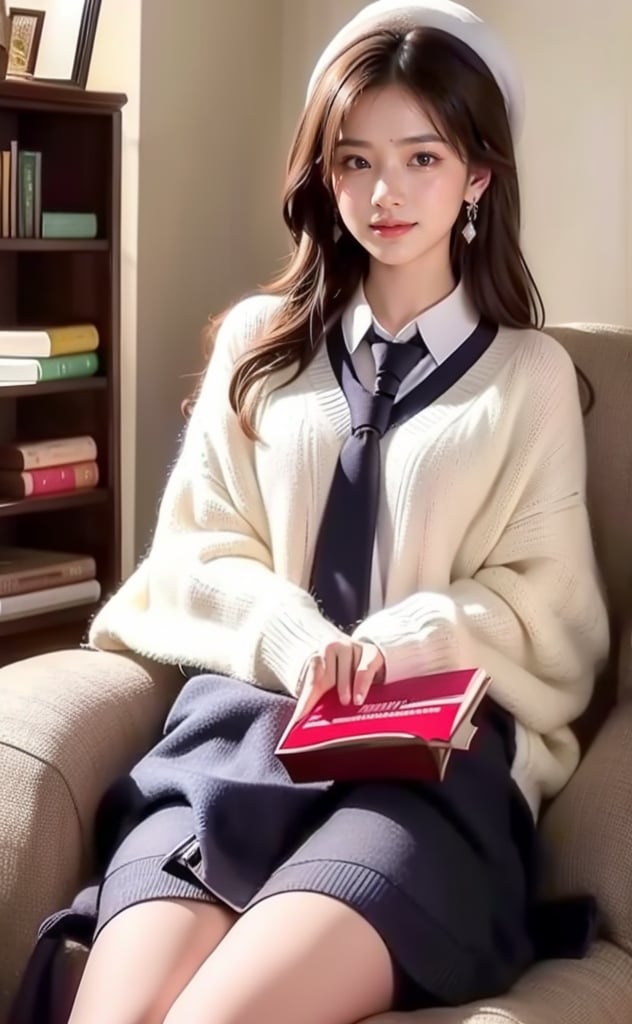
<point>33,581</point>
<point>36,468</point>
<point>32,355</point>
<point>20,192</point>
<point>21,214</point>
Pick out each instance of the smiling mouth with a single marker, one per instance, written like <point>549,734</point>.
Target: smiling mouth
<point>391,229</point>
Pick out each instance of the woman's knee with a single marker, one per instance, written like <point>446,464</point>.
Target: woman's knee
<point>143,959</point>
<point>294,957</point>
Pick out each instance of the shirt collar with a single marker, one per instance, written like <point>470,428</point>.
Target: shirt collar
<point>443,327</point>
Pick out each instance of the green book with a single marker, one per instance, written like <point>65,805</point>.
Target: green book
<point>68,225</point>
<point>30,371</point>
<point>26,193</point>
<point>83,364</point>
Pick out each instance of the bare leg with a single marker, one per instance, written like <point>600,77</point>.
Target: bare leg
<point>293,957</point>
<point>144,957</point>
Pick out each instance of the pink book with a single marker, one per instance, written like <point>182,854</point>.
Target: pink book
<point>406,730</point>
<point>49,480</point>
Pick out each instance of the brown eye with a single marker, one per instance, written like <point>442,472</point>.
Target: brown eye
<point>347,162</point>
<point>425,159</point>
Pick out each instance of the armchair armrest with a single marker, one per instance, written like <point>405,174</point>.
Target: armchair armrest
<point>70,722</point>
<point>587,831</point>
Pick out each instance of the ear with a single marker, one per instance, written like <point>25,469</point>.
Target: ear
<point>478,182</point>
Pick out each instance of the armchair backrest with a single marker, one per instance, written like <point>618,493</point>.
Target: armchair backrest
<point>603,354</point>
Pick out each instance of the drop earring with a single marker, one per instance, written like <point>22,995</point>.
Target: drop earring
<point>469,231</point>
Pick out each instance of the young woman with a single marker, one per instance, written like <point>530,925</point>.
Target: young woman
<point>344,514</point>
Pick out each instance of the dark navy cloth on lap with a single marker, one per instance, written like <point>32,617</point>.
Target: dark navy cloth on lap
<point>217,756</point>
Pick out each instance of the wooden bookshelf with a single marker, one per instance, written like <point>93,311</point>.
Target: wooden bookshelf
<point>46,282</point>
<point>55,387</point>
<point>55,502</point>
<point>54,244</point>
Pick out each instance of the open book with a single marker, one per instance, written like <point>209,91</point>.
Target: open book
<point>404,730</point>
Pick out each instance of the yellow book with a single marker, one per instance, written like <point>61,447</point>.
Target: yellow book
<point>49,341</point>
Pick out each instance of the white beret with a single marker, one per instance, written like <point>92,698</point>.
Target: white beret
<point>450,17</point>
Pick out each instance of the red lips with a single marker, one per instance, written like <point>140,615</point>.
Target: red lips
<point>391,229</point>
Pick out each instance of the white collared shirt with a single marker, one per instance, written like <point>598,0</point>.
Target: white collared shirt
<point>444,327</point>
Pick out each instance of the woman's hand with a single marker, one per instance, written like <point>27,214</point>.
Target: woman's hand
<point>352,666</point>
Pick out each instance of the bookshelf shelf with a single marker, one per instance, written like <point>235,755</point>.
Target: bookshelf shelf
<point>53,387</point>
<point>47,620</point>
<point>54,502</point>
<point>54,282</point>
<point>54,245</point>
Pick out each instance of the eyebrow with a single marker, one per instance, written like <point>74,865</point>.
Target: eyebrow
<point>409,141</point>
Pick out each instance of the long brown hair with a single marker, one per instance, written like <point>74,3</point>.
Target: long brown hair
<point>460,95</point>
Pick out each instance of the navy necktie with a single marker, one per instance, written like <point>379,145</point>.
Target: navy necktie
<point>341,571</point>
<point>347,530</point>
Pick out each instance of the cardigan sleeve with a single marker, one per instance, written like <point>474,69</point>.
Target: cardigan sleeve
<point>207,594</point>
<point>533,612</point>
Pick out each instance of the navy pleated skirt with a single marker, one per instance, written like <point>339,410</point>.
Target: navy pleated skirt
<point>443,871</point>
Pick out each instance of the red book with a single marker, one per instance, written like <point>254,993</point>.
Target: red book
<point>404,730</point>
<point>49,480</point>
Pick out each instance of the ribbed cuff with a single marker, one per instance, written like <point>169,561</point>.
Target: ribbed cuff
<point>414,638</point>
<point>289,638</point>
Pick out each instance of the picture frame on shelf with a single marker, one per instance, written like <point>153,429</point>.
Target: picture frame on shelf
<point>51,41</point>
<point>25,36</point>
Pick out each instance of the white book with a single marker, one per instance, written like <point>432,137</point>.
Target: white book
<point>19,371</point>
<point>18,606</point>
<point>22,343</point>
<point>41,342</point>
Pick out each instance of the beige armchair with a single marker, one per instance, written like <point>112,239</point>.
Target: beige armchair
<point>71,721</point>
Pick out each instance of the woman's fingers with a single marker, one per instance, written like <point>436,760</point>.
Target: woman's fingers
<point>330,666</point>
<point>344,676</point>
<point>369,670</point>
<point>349,666</point>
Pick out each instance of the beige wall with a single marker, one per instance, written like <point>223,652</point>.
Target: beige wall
<point>209,176</point>
<point>576,150</point>
<point>115,67</point>
<point>202,174</point>
<point>576,154</point>
<point>308,26</point>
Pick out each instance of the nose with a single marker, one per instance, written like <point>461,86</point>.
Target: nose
<point>388,190</point>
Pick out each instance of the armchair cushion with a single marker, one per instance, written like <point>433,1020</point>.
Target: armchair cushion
<point>591,991</point>
<point>587,831</point>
